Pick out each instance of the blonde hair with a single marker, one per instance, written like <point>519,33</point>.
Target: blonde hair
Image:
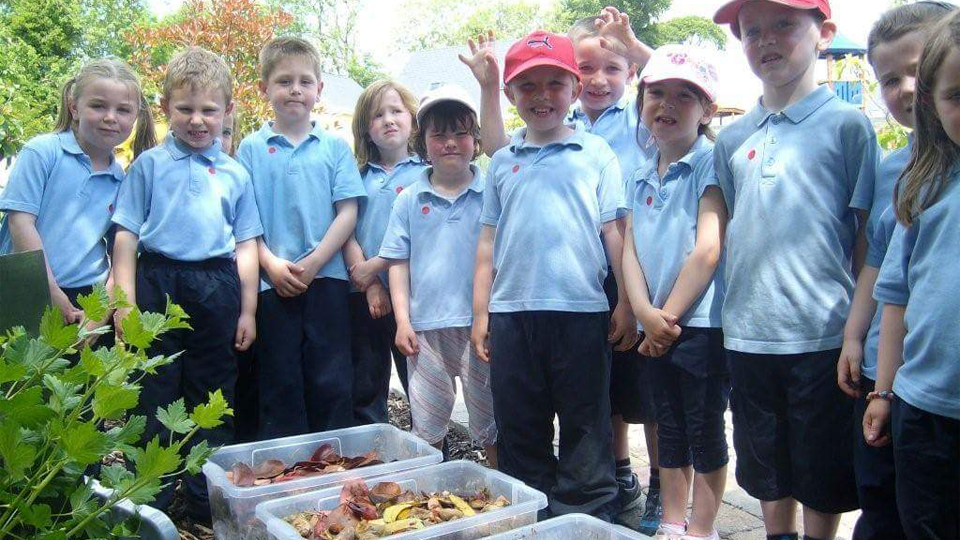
<point>934,155</point>
<point>197,68</point>
<point>582,29</point>
<point>365,150</point>
<point>283,47</point>
<point>144,137</point>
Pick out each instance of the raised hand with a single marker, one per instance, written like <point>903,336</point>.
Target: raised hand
<point>482,60</point>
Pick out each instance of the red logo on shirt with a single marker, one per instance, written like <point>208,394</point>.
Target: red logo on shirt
<point>272,150</point>
<point>399,189</point>
<point>752,154</point>
<point>516,168</point>
<point>212,170</point>
<point>425,210</point>
<point>649,201</point>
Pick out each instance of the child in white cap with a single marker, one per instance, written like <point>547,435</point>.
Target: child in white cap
<point>431,241</point>
<point>672,273</point>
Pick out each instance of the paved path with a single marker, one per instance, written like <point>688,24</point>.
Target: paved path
<point>739,517</point>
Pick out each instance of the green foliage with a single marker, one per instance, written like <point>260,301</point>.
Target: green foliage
<point>892,136</point>
<point>52,416</point>
<point>692,29</point>
<point>106,23</point>
<point>429,22</point>
<point>643,14</point>
<point>49,27</point>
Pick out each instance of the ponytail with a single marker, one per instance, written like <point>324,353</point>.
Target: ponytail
<point>145,136</point>
<point>64,116</point>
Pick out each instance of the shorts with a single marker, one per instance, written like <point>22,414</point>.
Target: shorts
<point>631,395</point>
<point>446,353</point>
<point>793,429</point>
<point>690,406</point>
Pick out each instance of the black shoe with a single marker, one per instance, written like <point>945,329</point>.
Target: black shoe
<point>629,495</point>
<point>652,513</point>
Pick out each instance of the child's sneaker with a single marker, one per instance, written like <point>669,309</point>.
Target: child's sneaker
<point>714,535</point>
<point>652,513</point>
<point>629,495</point>
<point>670,531</point>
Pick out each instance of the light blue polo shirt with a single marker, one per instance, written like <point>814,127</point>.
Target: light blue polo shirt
<point>548,204</point>
<point>883,239</point>
<point>439,237</point>
<point>923,275</point>
<point>665,213</point>
<point>188,206</point>
<point>54,180</point>
<point>880,227</point>
<point>382,188</point>
<point>788,180</point>
<point>618,126</point>
<point>296,188</point>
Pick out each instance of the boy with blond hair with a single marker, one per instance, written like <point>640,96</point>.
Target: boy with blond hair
<point>306,184</point>
<point>191,209</point>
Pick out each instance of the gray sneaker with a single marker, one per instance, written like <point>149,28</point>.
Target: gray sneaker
<point>629,500</point>
<point>652,513</point>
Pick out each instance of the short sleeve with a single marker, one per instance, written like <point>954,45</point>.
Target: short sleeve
<point>27,180</point>
<point>490,215</point>
<point>244,156</point>
<point>862,159</point>
<point>705,173</point>
<point>630,189</point>
<point>891,287</point>
<point>878,241</point>
<point>247,223</point>
<point>347,183</point>
<point>610,190</point>
<point>133,200</point>
<point>396,239</point>
<point>724,176</point>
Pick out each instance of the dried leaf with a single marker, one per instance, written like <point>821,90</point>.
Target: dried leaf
<point>324,453</point>
<point>242,474</point>
<point>269,468</point>
<point>384,491</point>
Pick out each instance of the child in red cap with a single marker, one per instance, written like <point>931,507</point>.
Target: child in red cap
<point>794,171</point>
<point>540,312</point>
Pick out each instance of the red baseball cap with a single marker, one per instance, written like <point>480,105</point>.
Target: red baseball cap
<point>728,13</point>
<point>540,49</point>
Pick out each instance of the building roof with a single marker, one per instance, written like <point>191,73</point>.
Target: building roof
<point>842,46</point>
<point>339,92</point>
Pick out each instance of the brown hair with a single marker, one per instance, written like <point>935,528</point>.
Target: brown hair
<point>934,154</point>
<point>279,48</point>
<point>365,150</point>
<point>447,115</point>
<point>902,20</point>
<point>198,68</point>
<point>703,129</point>
<point>144,136</point>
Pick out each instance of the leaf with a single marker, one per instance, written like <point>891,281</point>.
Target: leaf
<point>27,408</point>
<point>210,414</point>
<point>110,401</point>
<point>115,476</point>
<point>91,362</point>
<point>146,493</point>
<point>64,396</point>
<point>84,443</point>
<point>54,332</point>
<point>176,317</point>
<point>130,432</point>
<point>81,501</point>
<point>174,417</point>
<point>37,516</point>
<point>95,304</point>
<point>150,365</point>
<point>17,455</point>
<point>197,457</point>
<point>133,330</point>
<point>155,461</point>
<point>11,372</point>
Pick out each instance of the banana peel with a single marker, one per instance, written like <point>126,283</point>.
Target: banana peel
<point>401,525</point>
<point>392,513</point>
<point>462,506</point>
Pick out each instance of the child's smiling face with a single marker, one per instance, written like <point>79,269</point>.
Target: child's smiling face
<point>895,64</point>
<point>105,112</point>
<point>196,115</point>
<point>674,111</point>
<point>781,42</point>
<point>543,95</point>
<point>946,95</point>
<point>605,75</point>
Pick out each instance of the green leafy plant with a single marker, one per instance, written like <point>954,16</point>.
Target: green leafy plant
<point>57,418</point>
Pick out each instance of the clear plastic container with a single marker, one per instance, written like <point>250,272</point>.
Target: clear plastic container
<point>571,527</point>
<point>455,476</point>
<point>233,507</point>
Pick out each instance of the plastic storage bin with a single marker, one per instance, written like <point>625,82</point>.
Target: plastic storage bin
<point>571,527</point>
<point>233,507</point>
<point>453,476</point>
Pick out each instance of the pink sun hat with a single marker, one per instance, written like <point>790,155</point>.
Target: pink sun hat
<point>684,63</point>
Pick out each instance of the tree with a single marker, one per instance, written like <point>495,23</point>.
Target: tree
<point>691,29</point>
<point>428,24</point>
<point>235,29</point>
<point>105,24</point>
<point>643,14</point>
<point>38,39</point>
<point>332,25</point>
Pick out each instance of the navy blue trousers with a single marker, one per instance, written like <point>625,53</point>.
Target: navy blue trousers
<point>876,481</point>
<point>374,353</point>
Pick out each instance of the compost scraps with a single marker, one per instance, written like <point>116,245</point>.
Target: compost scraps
<point>387,509</point>
<point>323,461</point>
